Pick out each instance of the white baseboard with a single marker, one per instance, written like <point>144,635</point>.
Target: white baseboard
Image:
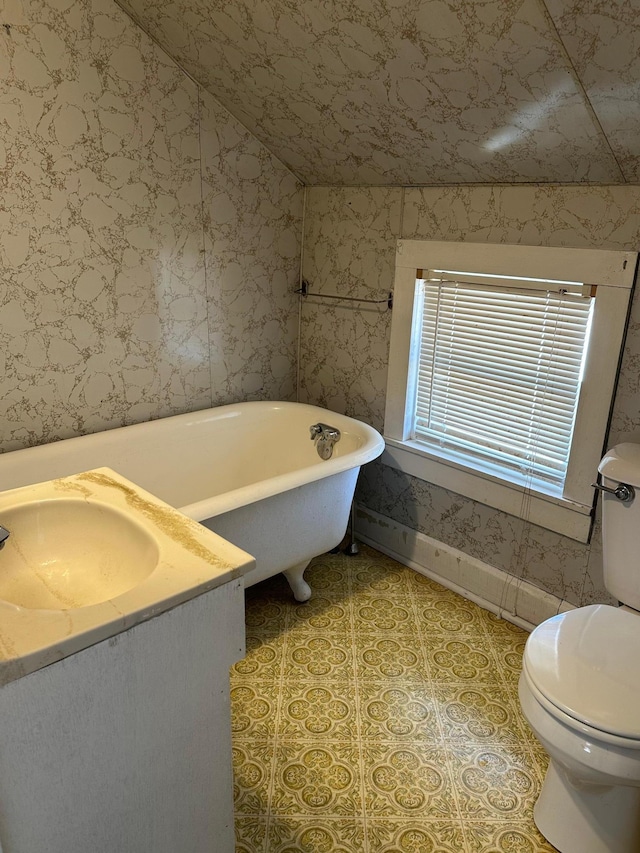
<point>515,600</point>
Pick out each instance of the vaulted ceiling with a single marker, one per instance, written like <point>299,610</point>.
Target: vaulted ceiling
<point>407,92</point>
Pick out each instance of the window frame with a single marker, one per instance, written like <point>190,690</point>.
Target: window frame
<point>612,273</point>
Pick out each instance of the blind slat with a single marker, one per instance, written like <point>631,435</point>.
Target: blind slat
<point>504,392</point>
<point>511,456</point>
<point>499,373</point>
<point>514,369</point>
<point>475,407</point>
<point>549,439</point>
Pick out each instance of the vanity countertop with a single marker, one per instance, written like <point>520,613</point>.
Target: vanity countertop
<point>91,555</point>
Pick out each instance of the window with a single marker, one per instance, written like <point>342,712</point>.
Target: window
<point>502,370</point>
<point>499,371</point>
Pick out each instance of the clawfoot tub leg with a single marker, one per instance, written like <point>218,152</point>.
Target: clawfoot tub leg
<point>299,586</point>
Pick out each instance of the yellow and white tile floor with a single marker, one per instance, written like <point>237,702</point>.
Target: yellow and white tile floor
<point>382,716</point>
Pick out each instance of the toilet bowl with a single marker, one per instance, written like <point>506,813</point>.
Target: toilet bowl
<point>580,689</point>
<point>580,692</point>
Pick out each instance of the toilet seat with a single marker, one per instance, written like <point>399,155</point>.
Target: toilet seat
<point>585,732</point>
<point>584,668</point>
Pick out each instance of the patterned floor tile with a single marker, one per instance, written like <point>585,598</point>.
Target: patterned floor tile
<point>263,660</point>
<point>268,615</point>
<point>477,713</point>
<point>450,615</point>
<point>254,709</point>
<point>384,615</point>
<point>494,781</point>
<point>321,614</point>
<point>414,836</point>
<point>251,834</point>
<point>499,627</point>
<point>312,710</point>
<point>508,650</point>
<point>389,658</point>
<point>309,834</point>
<point>313,779</point>
<point>327,657</point>
<point>378,578</point>
<point>407,780</point>
<point>393,712</point>
<point>464,659</point>
<point>427,589</point>
<point>329,576</point>
<point>252,768</point>
<point>505,838</point>
<point>380,717</point>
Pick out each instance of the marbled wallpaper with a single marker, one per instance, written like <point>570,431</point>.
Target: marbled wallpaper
<point>379,92</point>
<point>253,233</point>
<point>349,248</point>
<point>602,40</point>
<point>148,243</point>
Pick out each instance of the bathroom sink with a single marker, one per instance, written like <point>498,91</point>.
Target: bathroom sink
<point>92,555</point>
<point>66,552</point>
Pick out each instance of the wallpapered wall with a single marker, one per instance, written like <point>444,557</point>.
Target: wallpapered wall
<point>349,248</point>
<point>149,245</point>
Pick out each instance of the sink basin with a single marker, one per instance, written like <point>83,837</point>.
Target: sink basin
<point>92,555</point>
<point>67,552</point>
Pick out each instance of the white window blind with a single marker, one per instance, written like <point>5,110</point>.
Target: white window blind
<point>499,371</point>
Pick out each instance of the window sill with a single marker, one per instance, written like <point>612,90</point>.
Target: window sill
<point>553,513</point>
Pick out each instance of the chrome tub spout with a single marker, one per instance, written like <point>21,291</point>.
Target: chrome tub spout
<point>325,437</point>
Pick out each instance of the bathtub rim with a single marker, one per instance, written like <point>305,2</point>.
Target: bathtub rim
<point>372,447</point>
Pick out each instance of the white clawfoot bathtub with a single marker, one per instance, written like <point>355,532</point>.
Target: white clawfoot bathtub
<point>249,472</point>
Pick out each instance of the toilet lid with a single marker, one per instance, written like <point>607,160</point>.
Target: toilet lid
<point>587,663</point>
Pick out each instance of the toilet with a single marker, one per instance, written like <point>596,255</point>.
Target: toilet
<point>580,690</point>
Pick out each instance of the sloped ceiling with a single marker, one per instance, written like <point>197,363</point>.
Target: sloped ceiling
<point>409,92</point>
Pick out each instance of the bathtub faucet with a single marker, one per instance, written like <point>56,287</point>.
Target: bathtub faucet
<point>4,535</point>
<point>324,437</point>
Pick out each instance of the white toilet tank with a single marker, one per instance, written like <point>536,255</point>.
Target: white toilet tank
<point>621,525</point>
